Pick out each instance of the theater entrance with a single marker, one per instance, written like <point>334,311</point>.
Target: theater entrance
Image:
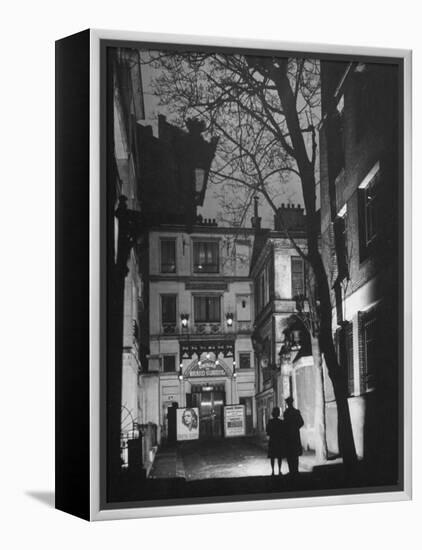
<point>210,400</point>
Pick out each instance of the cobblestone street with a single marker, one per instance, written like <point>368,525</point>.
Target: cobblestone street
<point>218,458</point>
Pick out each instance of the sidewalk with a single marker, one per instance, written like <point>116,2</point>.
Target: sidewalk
<point>168,464</point>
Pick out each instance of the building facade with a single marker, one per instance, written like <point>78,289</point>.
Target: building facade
<point>126,292</point>
<point>152,180</point>
<point>200,315</point>
<point>278,274</point>
<point>359,216</point>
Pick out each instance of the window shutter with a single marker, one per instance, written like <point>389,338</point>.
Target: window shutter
<point>349,353</point>
<point>368,356</point>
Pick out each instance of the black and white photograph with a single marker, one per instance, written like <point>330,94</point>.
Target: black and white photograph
<point>211,262</point>
<point>253,276</point>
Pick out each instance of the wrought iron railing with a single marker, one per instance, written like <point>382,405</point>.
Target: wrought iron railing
<point>241,327</point>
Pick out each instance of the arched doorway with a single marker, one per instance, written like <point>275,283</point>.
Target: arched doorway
<point>207,377</point>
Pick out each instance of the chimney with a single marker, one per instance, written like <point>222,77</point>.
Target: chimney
<point>256,220</point>
<point>290,217</point>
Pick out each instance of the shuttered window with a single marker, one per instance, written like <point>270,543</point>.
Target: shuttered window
<point>368,349</point>
<point>349,355</point>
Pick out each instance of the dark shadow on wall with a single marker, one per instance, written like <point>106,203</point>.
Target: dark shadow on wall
<point>382,415</point>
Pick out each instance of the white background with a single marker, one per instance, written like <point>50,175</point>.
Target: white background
<point>27,272</point>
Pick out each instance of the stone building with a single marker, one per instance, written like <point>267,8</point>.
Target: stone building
<point>278,274</point>
<point>126,295</point>
<point>359,227</point>
<point>152,180</point>
<point>200,318</point>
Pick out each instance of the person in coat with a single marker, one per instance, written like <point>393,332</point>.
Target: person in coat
<point>292,422</point>
<point>275,443</point>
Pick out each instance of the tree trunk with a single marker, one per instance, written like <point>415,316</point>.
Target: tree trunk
<point>320,439</point>
<point>323,312</point>
<point>336,373</point>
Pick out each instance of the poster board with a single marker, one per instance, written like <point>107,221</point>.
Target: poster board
<point>234,421</point>
<point>187,424</point>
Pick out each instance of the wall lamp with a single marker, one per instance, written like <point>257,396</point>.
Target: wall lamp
<point>234,369</point>
<point>180,371</point>
<point>229,319</point>
<point>185,319</point>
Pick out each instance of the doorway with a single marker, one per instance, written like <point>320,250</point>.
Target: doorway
<point>210,401</point>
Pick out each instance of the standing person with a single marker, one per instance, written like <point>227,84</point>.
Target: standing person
<point>275,444</point>
<point>293,421</point>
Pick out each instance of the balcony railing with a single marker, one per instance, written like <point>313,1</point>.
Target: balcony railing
<point>207,328</point>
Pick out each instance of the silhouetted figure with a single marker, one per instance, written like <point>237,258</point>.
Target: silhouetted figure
<point>292,423</point>
<point>275,443</point>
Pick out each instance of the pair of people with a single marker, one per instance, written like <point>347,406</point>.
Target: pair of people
<point>284,437</point>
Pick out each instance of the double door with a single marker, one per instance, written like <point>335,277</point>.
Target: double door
<point>210,404</point>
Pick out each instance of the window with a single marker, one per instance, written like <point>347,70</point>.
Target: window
<point>168,309</point>
<point>169,363</point>
<point>349,354</point>
<point>368,211</point>
<point>298,276</point>
<point>244,360</point>
<point>207,309</point>
<point>168,256</point>
<point>262,291</point>
<point>205,257</point>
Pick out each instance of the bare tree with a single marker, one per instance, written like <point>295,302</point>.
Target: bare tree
<point>266,111</point>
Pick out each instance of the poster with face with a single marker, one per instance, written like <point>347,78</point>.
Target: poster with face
<point>187,424</point>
